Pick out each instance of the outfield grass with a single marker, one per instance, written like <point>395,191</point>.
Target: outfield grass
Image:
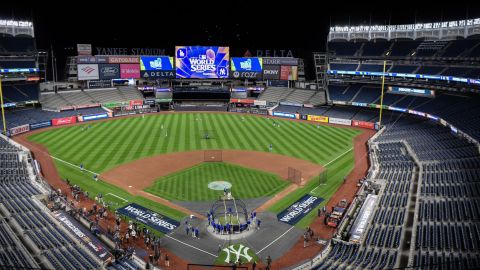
<point>112,143</point>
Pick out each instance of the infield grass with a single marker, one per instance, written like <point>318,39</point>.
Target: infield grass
<point>192,184</point>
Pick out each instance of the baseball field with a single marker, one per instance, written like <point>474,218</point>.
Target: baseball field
<point>104,146</point>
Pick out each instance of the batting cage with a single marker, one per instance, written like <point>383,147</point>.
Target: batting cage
<point>212,156</point>
<point>295,176</point>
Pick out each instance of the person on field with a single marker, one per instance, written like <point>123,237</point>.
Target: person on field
<point>81,167</point>
<point>270,147</point>
<point>167,260</point>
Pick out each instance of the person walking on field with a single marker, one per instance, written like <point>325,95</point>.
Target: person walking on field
<point>167,261</point>
<point>269,263</point>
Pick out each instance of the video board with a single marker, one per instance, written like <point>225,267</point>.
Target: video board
<point>202,62</point>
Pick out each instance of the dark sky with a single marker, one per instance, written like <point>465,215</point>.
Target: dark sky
<point>300,26</point>
<point>245,24</point>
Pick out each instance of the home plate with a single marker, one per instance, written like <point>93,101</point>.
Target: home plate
<point>129,186</point>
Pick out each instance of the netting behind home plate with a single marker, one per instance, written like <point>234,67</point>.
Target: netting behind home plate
<point>212,156</point>
<point>295,176</point>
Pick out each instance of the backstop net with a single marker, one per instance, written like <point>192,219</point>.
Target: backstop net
<point>212,156</point>
<point>295,176</point>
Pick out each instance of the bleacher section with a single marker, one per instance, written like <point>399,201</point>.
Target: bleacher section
<point>447,225</point>
<point>78,97</point>
<point>11,45</point>
<point>20,92</point>
<point>456,109</point>
<point>22,214</point>
<point>296,96</point>
<point>31,116</point>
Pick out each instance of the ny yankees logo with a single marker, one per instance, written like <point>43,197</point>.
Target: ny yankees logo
<point>242,251</point>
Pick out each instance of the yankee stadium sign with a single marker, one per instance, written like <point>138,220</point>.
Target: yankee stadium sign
<point>148,217</point>
<point>129,51</point>
<point>299,209</point>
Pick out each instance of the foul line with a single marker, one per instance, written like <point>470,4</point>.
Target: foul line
<point>73,165</point>
<point>117,197</point>
<point>276,239</point>
<point>168,236</point>
<point>330,162</point>
<point>341,155</point>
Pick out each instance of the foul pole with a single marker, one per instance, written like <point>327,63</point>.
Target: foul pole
<point>3,109</point>
<point>381,96</point>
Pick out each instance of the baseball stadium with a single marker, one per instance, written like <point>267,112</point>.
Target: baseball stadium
<point>362,153</point>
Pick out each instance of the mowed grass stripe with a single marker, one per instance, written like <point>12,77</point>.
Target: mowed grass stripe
<point>294,133</point>
<point>246,182</point>
<point>317,138</point>
<point>128,140</point>
<point>107,146</point>
<point>101,147</point>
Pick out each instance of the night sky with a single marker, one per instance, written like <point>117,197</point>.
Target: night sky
<point>244,25</point>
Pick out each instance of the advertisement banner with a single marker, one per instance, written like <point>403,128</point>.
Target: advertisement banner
<point>271,72</point>
<point>93,105</point>
<point>202,62</point>
<point>40,125</point>
<point>295,212</point>
<point>156,63</point>
<point>416,113</point>
<point>316,118</point>
<point>260,102</point>
<point>83,235</point>
<point>64,121</point>
<point>86,59</point>
<point>285,115</point>
<point>156,74</point>
<point>251,64</point>
<point>340,121</point>
<point>246,75</point>
<point>149,102</point>
<point>129,71</point>
<point>87,72</point>
<point>91,117</point>
<point>280,61</point>
<point>9,104</point>
<point>84,49</point>
<point>411,91</point>
<point>238,100</point>
<point>109,71</point>
<point>361,222</point>
<point>136,102</point>
<point>363,124</point>
<point>288,73</point>
<point>148,217</point>
<point>20,129</point>
<point>123,60</point>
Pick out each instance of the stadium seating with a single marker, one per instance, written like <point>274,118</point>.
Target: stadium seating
<point>10,45</point>
<point>16,118</point>
<point>57,246</point>
<point>61,99</point>
<point>275,94</point>
<point>20,92</point>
